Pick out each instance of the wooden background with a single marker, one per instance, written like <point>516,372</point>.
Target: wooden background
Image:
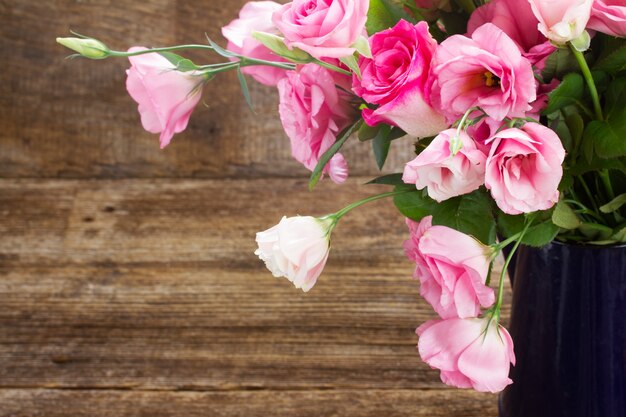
<point>128,286</point>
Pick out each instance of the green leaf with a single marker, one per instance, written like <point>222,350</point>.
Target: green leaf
<point>598,164</point>
<point>455,23</point>
<point>539,234</point>
<point>381,144</point>
<point>219,50</point>
<point>559,63</point>
<point>619,234</point>
<point>277,45</point>
<point>384,14</point>
<point>352,63</point>
<point>565,217</point>
<point>608,137</point>
<point>391,179</point>
<point>182,64</point>
<point>470,214</point>
<point>614,204</point>
<point>576,127</point>
<point>596,232</point>
<point>244,88</point>
<point>613,62</point>
<point>414,205</point>
<point>615,98</point>
<point>367,132</point>
<point>362,46</point>
<point>569,92</point>
<point>327,156</point>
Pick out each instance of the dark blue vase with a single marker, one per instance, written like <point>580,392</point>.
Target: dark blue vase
<point>568,323</point>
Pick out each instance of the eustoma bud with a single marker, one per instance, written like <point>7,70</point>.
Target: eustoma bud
<point>87,47</point>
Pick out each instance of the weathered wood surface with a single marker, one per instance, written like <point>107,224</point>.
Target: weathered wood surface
<point>152,285</point>
<point>74,119</point>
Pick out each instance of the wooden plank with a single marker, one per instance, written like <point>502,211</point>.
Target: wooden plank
<point>74,119</point>
<point>344,403</point>
<point>152,284</point>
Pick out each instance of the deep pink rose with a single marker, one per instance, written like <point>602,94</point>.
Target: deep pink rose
<point>471,353</point>
<point>445,175</point>
<point>323,28</point>
<point>487,71</point>
<point>313,111</point>
<point>609,16</point>
<point>516,19</point>
<point>166,97</point>
<point>562,21</point>
<point>396,78</point>
<point>452,268</point>
<point>524,168</point>
<point>255,16</point>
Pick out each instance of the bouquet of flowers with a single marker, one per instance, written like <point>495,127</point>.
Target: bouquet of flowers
<point>518,108</point>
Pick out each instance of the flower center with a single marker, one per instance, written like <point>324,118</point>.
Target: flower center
<point>491,80</point>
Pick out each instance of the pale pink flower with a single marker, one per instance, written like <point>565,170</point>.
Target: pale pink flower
<point>524,168</point>
<point>313,112</point>
<point>562,21</point>
<point>255,16</point>
<point>516,19</point>
<point>446,175</point>
<point>486,70</point>
<point>452,268</point>
<point>323,28</point>
<point>470,353</point>
<point>609,16</point>
<point>296,248</point>
<point>395,80</point>
<point>166,97</point>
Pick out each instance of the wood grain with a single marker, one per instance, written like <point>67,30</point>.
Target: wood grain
<point>340,403</point>
<point>74,119</point>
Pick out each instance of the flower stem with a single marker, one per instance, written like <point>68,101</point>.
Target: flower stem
<point>580,58</point>
<point>338,215</point>
<point>164,49</point>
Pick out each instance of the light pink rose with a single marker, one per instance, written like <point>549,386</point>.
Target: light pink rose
<point>313,112</point>
<point>323,28</point>
<point>452,268</point>
<point>396,77</point>
<point>255,16</point>
<point>445,175</point>
<point>562,21</point>
<point>524,168</point>
<point>609,16</point>
<point>487,71</point>
<point>470,353</point>
<point>296,248</point>
<point>166,97</point>
<point>516,19</point>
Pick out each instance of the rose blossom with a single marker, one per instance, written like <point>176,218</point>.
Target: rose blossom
<point>296,248</point>
<point>396,77</point>
<point>516,19</point>
<point>562,21</point>
<point>524,168</point>
<point>166,97</point>
<point>255,16</point>
<point>609,16</point>
<point>323,28</point>
<point>487,71</point>
<point>446,175</point>
<point>471,353</point>
<point>313,111</point>
<point>452,268</point>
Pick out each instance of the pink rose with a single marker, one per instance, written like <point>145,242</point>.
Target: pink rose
<point>445,175</point>
<point>166,97</point>
<point>396,77</point>
<point>562,21</point>
<point>296,248</point>
<point>609,16</point>
<point>516,19</point>
<point>452,268</point>
<point>323,28</point>
<point>255,16</point>
<point>313,112</point>
<point>471,353</point>
<point>487,71</point>
<point>524,168</point>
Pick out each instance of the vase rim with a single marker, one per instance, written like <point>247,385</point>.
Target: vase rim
<point>588,246</point>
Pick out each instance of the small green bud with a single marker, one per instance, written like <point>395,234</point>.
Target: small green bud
<point>277,45</point>
<point>87,47</point>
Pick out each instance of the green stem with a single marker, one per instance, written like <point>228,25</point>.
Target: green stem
<point>246,62</point>
<point>338,215</point>
<point>589,79</point>
<point>332,67</point>
<point>164,49</point>
<point>498,306</point>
